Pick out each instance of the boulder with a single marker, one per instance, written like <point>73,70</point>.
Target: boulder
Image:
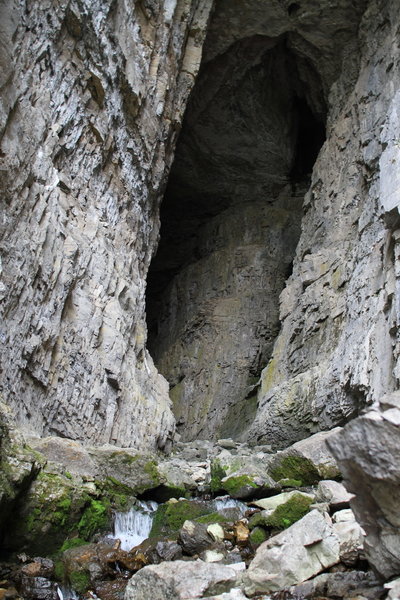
<point>305,462</point>
<point>241,476</point>
<point>181,580</point>
<point>282,510</point>
<point>368,452</point>
<point>349,585</point>
<point>334,493</point>
<point>293,556</point>
<point>350,536</point>
<point>270,504</point>
<point>71,454</point>
<point>194,538</point>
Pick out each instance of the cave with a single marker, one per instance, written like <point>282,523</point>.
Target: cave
<point>230,223</point>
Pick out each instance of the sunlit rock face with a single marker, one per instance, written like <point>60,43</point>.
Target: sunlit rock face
<point>92,94</point>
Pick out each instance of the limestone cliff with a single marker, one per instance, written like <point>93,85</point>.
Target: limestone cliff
<point>92,96</point>
<point>92,100</point>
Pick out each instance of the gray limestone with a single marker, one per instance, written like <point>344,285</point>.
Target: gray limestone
<point>368,451</point>
<point>298,553</point>
<point>92,94</point>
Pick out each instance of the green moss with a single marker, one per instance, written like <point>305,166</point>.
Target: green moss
<point>95,518</point>
<point>150,468</point>
<point>257,536</point>
<point>290,482</point>
<point>233,485</point>
<point>211,518</point>
<point>284,515</point>
<point>217,473</point>
<point>59,570</point>
<point>72,543</point>
<point>296,467</point>
<point>170,517</point>
<point>80,581</point>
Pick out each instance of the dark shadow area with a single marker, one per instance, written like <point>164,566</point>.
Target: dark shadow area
<point>230,222</point>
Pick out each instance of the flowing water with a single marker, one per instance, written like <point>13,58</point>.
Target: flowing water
<point>226,503</point>
<point>133,527</point>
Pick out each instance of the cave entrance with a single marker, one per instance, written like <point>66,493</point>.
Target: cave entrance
<point>230,223</point>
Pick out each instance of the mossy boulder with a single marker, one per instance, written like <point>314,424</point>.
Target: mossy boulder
<point>257,536</point>
<point>136,472</point>
<point>54,509</point>
<point>307,461</point>
<point>19,465</point>
<point>295,468</point>
<point>242,477</point>
<point>293,507</point>
<point>170,517</point>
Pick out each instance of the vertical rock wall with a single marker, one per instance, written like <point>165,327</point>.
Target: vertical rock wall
<point>92,96</point>
<point>247,141</point>
<point>339,344</point>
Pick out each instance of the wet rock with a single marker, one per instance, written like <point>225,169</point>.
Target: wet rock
<point>38,588</point>
<point>301,551</point>
<point>111,590</point>
<point>181,580</point>
<point>368,451</point>
<point>347,585</point>
<point>194,538</point>
<point>334,493</point>
<point>40,567</point>
<point>156,550</point>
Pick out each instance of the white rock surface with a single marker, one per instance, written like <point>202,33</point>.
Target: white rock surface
<point>180,580</point>
<point>298,553</point>
<point>270,504</point>
<point>332,492</point>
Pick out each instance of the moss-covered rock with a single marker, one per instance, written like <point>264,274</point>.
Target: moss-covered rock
<point>258,535</point>
<point>308,460</point>
<point>171,516</point>
<point>217,474</point>
<point>51,509</point>
<point>285,514</point>
<point>241,477</point>
<point>296,468</point>
<point>240,486</point>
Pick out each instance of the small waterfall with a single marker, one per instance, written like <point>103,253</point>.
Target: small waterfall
<point>133,526</point>
<point>226,503</point>
<point>66,593</point>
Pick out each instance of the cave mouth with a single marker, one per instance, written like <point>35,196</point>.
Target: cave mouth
<point>230,223</point>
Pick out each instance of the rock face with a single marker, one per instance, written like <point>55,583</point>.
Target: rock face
<point>368,451</point>
<point>92,96</point>
<point>305,549</point>
<point>211,303</point>
<point>338,348</point>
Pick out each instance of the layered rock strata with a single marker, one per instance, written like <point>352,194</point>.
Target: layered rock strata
<point>338,348</point>
<point>92,96</point>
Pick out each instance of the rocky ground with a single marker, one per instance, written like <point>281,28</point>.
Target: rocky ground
<point>287,532</point>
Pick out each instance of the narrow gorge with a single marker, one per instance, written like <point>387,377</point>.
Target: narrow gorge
<point>199,299</point>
